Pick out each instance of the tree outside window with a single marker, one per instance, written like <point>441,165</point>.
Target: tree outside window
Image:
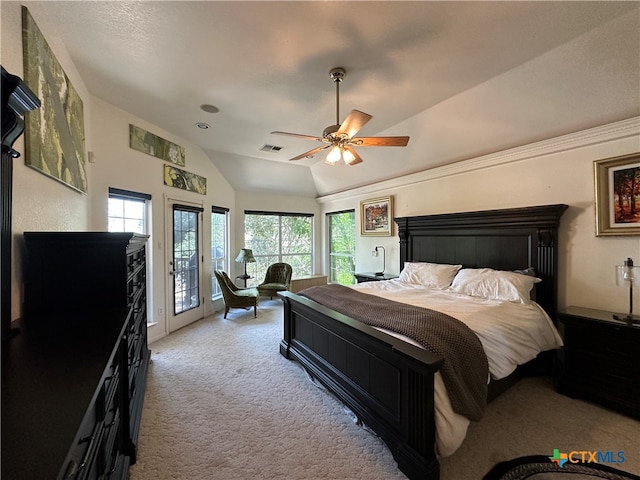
<point>279,237</point>
<point>342,247</point>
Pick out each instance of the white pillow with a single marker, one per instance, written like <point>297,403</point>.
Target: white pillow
<point>434,275</point>
<point>494,284</point>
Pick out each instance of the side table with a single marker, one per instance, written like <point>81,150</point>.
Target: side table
<point>600,360</point>
<point>372,277</point>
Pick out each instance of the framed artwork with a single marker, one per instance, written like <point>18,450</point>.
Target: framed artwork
<point>191,182</point>
<point>147,142</point>
<point>376,217</point>
<point>54,134</point>
<point>617,191</point>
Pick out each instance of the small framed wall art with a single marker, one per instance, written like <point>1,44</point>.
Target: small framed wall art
<point>376,217</point>
<point>178,178</point>
<point>617,191</point>
<point>147,142</point>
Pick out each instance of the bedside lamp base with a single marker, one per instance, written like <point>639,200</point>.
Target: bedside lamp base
<point>626,318</point>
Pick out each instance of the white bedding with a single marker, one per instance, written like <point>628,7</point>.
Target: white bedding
<point>511,334</point>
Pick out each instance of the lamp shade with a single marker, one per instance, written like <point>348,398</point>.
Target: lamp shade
<point>245,256</point>
<point>334,155</point>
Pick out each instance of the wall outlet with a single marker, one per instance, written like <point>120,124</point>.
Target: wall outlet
<point>160,311</point>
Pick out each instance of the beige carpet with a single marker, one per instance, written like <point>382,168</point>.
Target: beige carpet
<point>222,403</point>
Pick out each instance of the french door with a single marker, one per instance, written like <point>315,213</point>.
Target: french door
<point>184,286</point>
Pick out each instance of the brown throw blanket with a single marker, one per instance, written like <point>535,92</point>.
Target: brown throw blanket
<point>465,369</point>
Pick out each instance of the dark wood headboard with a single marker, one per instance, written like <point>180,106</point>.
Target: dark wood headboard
<point>508,239</point>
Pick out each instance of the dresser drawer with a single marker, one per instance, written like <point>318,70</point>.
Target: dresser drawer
<point>617,363</point>
<point>111,448</point>
<point>135,260</point>
<point>108,391</point>
<point>621,395</point>
<point>82,460</point>
<point>611,340</point>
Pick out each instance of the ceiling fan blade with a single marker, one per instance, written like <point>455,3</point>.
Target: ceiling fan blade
<point>380,141</point>
<point>310,152</point>
<point>298,135</point>
<point>353,123</point>
<point>356,158</point>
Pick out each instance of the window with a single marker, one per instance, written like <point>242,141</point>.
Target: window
<point>127,211</point>
<point>342,247</point>
<point>279,237</point>
<point>219,242</point>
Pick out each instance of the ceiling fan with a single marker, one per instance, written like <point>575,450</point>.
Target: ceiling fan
<point>339,138</point>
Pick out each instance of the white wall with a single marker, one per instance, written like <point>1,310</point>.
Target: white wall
<point>555,171</point>
<point>116,165</point>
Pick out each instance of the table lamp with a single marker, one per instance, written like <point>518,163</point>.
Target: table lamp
<point>384,260</point>
<point>245,256</point>
<point>626,274</point>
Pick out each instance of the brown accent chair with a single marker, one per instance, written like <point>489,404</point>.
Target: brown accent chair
<point>277,279</point>
<point>235,297</point>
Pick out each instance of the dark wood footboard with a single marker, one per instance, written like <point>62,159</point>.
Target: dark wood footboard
<point>386,382</point>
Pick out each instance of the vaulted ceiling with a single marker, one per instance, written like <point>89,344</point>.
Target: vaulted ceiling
<point>462,79</point>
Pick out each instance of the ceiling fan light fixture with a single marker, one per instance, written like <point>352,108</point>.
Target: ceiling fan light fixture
<point>334,155</point>
<point>348,157</point>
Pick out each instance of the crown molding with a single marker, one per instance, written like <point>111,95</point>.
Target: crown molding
<point>597,135</point>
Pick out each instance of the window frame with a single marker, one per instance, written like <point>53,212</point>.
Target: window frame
<point>122,194</point>
<point>259,268</point>
<point>220,262</point>
<point>131,196</point>
<point>333,255</point>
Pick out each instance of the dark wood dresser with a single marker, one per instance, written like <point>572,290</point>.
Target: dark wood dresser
<point>600,360</point>
<point>73,379</point>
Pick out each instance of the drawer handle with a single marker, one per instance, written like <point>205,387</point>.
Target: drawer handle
<point>115,420</point>
<point>115,463</point>
<point>71,470</point>
<point>621,377</point>
<point>87,454</point>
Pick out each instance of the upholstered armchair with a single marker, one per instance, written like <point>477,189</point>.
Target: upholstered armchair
<point>235,297</point>
<point>277,279</point>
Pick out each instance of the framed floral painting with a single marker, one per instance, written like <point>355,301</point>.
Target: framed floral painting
<point>617,192</point>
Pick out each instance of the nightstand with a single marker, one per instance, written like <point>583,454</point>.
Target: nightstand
<point>600,360</point>
<point>372,277</point>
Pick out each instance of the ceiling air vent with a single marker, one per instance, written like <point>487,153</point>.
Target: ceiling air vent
<point>270,148</point>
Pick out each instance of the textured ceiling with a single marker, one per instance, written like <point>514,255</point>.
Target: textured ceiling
<point>461,78</point>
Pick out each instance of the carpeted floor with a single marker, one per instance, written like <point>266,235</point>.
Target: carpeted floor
<point>222,403</point>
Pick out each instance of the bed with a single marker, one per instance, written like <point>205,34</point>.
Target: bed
<point>391,384</point>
